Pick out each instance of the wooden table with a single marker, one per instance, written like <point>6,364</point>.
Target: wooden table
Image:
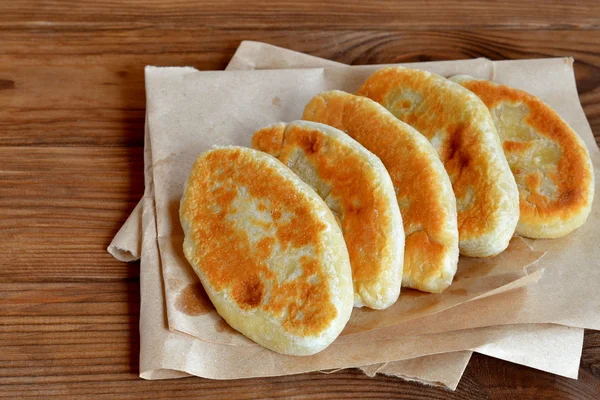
<point>71,138</point>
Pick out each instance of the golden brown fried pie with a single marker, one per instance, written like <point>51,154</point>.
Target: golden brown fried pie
<point>422,187</point>
<point>461,129</point>
<point>550,163</point>
<point>267,249</point>
<point>357,188</point>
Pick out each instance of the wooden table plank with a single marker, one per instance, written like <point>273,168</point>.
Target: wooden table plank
<point>309,14</point>
<point>74,91</point>
<point>60,207</point>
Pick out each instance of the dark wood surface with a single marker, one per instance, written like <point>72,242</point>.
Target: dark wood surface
<point>71,138</point>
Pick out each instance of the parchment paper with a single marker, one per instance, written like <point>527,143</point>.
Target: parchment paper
<point>526,347</point>
<point>429,370</point>
<point>165,354</point>
<point>126,246</point>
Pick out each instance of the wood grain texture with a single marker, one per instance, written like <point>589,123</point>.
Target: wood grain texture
<point>308,14</point>
<point>59,209</point>
<point>82,91</point>
<point>71,169</point>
